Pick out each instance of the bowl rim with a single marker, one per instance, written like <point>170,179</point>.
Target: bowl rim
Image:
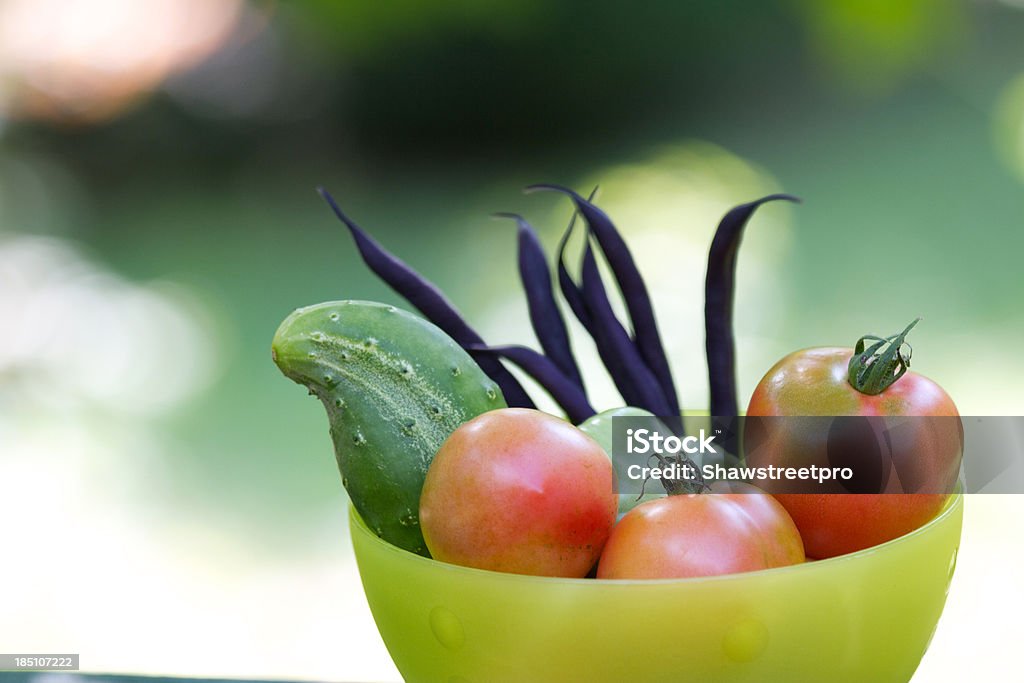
<point>357,525</point>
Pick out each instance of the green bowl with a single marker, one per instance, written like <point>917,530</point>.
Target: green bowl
<point>867,616</point>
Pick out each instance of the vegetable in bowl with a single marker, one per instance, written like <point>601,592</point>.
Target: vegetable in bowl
<point>922,457</point>
<point>394,387</point>
<point>632,353</point>
<point>720,569</point>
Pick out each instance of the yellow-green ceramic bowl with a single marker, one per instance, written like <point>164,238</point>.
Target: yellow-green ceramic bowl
<point>865,618</point>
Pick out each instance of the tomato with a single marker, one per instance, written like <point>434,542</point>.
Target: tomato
<point>517,490</point>
<point>817,382</point>
<point>702,534</point>
<point>599,428</point>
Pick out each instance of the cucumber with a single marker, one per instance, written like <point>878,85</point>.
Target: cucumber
<point>394,386</point>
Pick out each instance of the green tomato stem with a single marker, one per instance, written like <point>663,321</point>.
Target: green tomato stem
<point>675,487</point>
<point>875,368</point>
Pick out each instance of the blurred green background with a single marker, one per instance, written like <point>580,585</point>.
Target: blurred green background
<point>160,480</point>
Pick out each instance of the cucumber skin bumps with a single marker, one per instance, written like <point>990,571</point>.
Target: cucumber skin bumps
<point>394,387</point>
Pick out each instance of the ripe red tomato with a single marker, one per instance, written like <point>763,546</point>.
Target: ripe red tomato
<point>702,534</point>
<point>521,491</point>
<point>815,382</point>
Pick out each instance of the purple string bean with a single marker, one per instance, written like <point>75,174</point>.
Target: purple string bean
<point>570,291</point>
<point>634,379</point>
<point>566,392</point>
<point>719,293</point>
<point>545,316</point>
<point>633,289</point>
<point>428,299</point>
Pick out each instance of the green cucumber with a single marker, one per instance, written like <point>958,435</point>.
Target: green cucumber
<point>394,386</point>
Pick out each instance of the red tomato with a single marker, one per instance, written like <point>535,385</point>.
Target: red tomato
<point>702,534</point>
<point>519,491</point>
<point>815,382</point>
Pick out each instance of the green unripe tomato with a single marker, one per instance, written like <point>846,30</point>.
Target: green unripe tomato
<point>599,428</point>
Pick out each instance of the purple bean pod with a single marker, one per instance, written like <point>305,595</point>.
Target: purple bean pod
<point>428,299</point>
<point>570,291</point>
<point>545,316</point>
<point>719,294</point>
<point>634,379</point>
<point>566,392</point>
<point>633,289</point>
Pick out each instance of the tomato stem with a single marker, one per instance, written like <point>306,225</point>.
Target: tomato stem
<point>675,487</point>
<point>875,368</point>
